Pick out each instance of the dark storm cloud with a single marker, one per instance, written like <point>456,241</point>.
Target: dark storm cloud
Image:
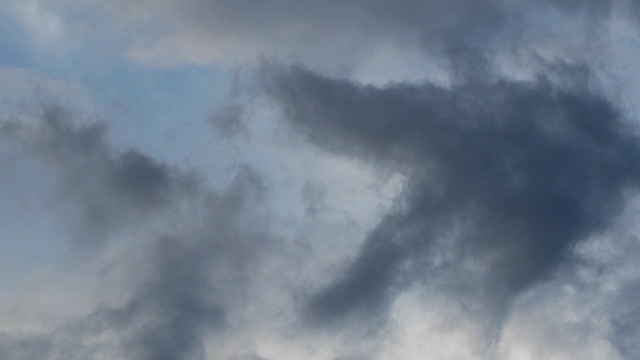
<point>110,186</point>
<point>193,268</point>
<point>507,176</point>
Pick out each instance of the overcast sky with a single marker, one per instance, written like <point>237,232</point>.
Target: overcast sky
<point>321,180</point>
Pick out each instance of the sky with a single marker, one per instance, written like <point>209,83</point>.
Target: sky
<point>321,180</point>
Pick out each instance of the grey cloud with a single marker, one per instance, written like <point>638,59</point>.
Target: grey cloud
<point>174,309</point>
<point>314,194</point>
<point>504,178</point>
<point>110,186</point>
<point>247,357</point>
<point>11,348</point>
<point>229,122</point>
<point>316,31</point>
<point>195,276</point>
<point>74,341</point>
<point>625,319</point>
<point>185,283</point>
<point>626,333</point>
<point>431,19</point>
<point>186,272</point>
<point>141,179</point>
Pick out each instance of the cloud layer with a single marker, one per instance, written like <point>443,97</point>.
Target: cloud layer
<point>506,176</point>
<point>393,179</point>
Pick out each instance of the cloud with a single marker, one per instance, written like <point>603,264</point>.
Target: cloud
<point>44,26</point>
<point>433,178</point>
<point>504,179</point>
<point>112,187</point>
<point>21,85</point>
<point>185,272</point>
<point>366,32</point>
<point>625,319</point>
<point>229,121</point>
<point>314,195</point>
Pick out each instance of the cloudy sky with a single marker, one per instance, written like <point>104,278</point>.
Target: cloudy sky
<point>321,180</point>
